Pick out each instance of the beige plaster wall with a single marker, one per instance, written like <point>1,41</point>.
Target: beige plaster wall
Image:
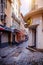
<point>30,38</point>
<point>39,3</point>
<point>39,33</point>
<point>8,13</point>
<point>4,38</point>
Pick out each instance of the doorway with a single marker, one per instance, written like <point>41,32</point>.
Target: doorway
<point>13,39</point>
<point>34,37</point>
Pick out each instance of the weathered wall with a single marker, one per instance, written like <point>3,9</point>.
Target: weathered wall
<point>39,3</point>
<point>39,34</point>
<point>4,38</point>
<point>8,13</point>
<point>30,38</point>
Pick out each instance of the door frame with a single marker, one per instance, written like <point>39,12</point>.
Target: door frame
<point>34,38</point>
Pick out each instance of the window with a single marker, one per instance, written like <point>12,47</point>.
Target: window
<point>2,17</point>
<point>4,3</point>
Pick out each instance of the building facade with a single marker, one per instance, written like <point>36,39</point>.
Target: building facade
<point>5,22</point>
<point>36,4</point>
<point>11,23</point>
<point>17,21</point>
<point>36,25</point>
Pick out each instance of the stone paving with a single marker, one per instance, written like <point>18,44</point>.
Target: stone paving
<point>19,55</point>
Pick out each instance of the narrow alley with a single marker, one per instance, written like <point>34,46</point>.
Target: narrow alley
<point>21,32</point>
<point>19,55</point>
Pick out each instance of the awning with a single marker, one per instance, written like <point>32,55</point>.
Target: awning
<point>1,29</point>
<point>4,28</point>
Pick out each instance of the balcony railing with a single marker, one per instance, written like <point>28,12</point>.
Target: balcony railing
<point>16,19</point>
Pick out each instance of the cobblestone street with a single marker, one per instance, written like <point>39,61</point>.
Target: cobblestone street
<point>19,55</point>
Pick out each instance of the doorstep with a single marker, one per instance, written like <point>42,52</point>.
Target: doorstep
<point>33,49</point>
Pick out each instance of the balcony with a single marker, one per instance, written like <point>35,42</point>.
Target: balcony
<point>32,13</point>
<point>15,18</point>
<point>15,25</point>
<point>3,18</point>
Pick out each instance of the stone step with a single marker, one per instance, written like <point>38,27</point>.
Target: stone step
<point>31,49</point>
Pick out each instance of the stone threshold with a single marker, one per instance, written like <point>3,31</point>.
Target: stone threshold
<point>33,49</point>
